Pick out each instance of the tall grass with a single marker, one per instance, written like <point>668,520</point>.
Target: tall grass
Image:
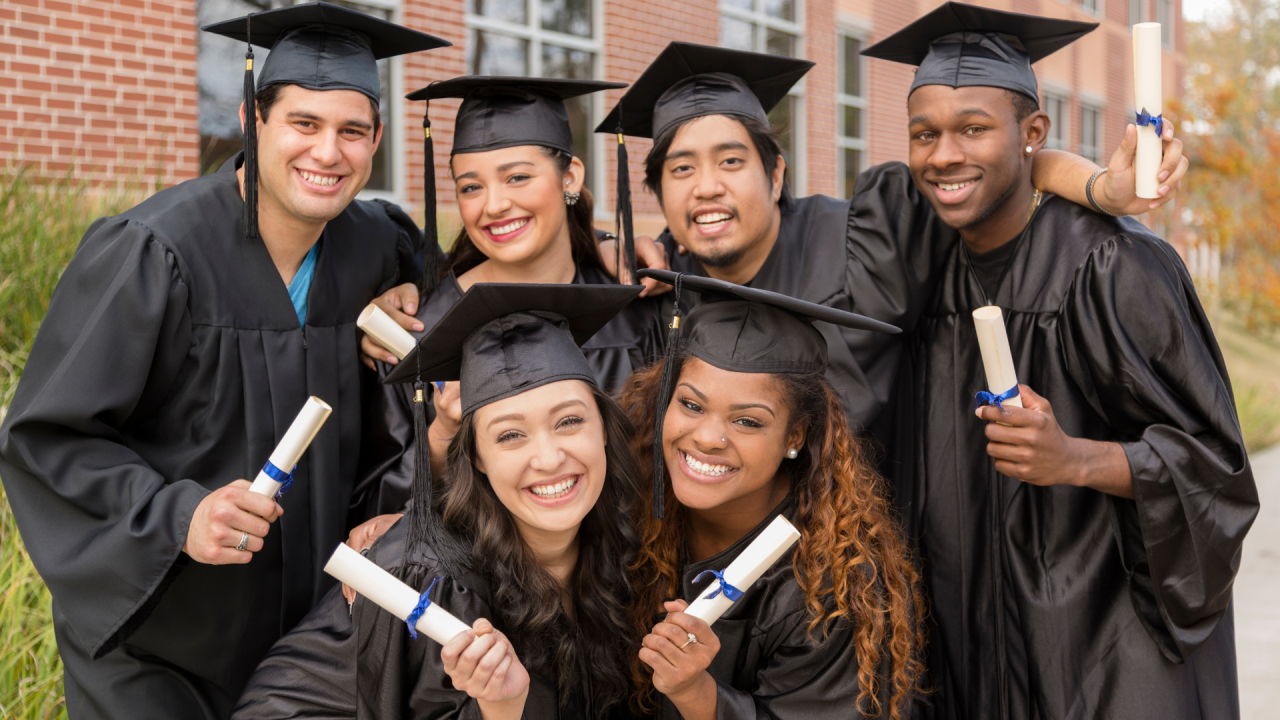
<point>41,222</point>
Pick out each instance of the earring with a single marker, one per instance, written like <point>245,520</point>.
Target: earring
<point>792,453</point>
<point>1029,150</point>
<point>571,198</point>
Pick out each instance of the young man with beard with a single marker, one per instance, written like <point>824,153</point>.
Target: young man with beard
<point>182,340</point>
<point>718,174</point>
<point>1079,551</point>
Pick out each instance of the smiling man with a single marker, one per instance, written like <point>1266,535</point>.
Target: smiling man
<point>1078,552</point>
<point>180,343</point>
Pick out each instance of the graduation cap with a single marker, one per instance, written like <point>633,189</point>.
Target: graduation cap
<point>498,112</point>
<point>498,340</point>
<point>317,46</point>
<point>744,329</point>
<point>960,45</point>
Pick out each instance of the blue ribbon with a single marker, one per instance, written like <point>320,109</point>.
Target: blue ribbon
<point>439,386</point>
<point>985,398</point>
<point>424,602</point>
<point>729,591</point>
<point>284,478</point>
<point>1146,118</point>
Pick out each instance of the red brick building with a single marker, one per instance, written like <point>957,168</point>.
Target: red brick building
<point>129,88</point>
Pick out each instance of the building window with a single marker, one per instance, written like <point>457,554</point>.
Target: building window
<point>1164,16</point>
<point>851,113</point>
<point>774,27</point>
<point>1056,108</point>
<point>1137,12</point>
<point>220,74</point>
<point>1091,132</point>
<point>1091,5</point>
<point>542,38</point>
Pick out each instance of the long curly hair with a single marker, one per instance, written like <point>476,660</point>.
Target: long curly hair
<point>851,561</point>
<point>527,601</point>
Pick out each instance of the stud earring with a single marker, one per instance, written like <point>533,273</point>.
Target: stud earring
<point>792,453</point>
<point>1029,150</point>
<point>571,198</point>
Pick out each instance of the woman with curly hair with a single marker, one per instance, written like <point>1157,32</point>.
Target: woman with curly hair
<point>746,428</point>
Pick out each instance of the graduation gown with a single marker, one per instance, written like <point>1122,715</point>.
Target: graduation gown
<point>630,341</point>
<point>878,254</point>
<point>1064,602</point>
<point>170,363</point>
<point>768,666</point>
<point>323,669</point>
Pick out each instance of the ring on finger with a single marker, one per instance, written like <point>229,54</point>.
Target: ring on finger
<point>692,639</point>
<point>244,541</point>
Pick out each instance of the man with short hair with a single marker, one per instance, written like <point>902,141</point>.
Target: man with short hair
<point>1078,551</point>
<point>180,343</point>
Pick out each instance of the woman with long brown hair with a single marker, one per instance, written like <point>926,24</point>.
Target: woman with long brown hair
<point>740,426</point>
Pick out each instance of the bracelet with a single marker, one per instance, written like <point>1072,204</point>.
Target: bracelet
<point>1088,192</point>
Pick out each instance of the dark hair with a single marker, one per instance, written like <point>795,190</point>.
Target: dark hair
<point>527,601</point>
<point>851,562</point>
<point>582,233</point>
<point>1023,104</point>
<point>762,136</point>
<point>267,97</point>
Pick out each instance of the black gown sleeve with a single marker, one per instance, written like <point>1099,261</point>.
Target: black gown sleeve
<point>104,529</point>
<point>1138,342</point>
<point>410,245</point>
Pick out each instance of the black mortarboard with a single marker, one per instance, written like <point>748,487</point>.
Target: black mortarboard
<point>744,329</point>
<point>317,46</point>
<point>960,45</point>
<point>498,112</point>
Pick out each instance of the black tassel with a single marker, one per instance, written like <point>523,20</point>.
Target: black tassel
<point>664,399</point>
<point>431,263</point>
<point>626,231</point>
<point>426,528</point>
<point>250,140</point>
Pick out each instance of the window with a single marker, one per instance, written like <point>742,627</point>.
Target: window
<point>1165,16</point>
<point>542,38</point>
<point>774,27</point>
<point>220,74</point>
<point>851,109</point>
<point>1056,107</point>
<point>1091,132</point>
<point>1091,5</point>
<point>1137,12</point>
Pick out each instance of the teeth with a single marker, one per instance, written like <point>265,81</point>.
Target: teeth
<point>712,218</point>
<point>510,227</point>
<point>953,186</point>
<point>325,180</point>
<point>704,468</point>
<point>554,490</point>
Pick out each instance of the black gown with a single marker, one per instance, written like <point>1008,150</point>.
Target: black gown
<point>312,672</point>
<point>768,666</point>
<point>170,363</point>
<point>630,341</point>
<point>878,254</point>
<point>1063,602</point>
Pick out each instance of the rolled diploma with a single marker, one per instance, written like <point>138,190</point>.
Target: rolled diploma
<point>386,331</point>
<point>1148,95</point>
<point>745,569</point>
<point>384,590</point>
<point>997,358</point>
<point>293,444</point>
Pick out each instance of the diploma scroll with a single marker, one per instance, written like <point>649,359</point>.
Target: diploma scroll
<point>997,358</point>
<point>1148,99</point>
<point>745,569</point>
<point>279,467</point>
<point>379,326</point>
<point>387,592</point>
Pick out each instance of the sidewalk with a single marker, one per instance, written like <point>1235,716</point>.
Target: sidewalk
<point>1257,598</point>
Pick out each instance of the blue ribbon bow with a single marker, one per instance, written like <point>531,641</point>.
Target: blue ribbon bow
<point>986,398</point>
<point>424,602</point>
<point>729,591</point>
<point>284,478</point>
<point>1156,121</point>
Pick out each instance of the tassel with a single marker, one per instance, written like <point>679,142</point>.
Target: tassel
<point>250,139</point>
<point>665,390</point>
<point>626,231</point>
<point>426,528</point>
<point>431,263</point>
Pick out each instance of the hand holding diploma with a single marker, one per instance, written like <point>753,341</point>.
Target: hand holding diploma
<point>226,519</point>
<point>1148,100</point>
<point>745,569</point>
<point>482,663</point>
<point>1116,190</point>
<point>277,475</point>
<point>680,649</point>
<point>997,359</point>
<point>400,303</point>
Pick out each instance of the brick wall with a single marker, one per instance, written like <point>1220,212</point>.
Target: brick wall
<point>444,19</point>
<point>106,87</point>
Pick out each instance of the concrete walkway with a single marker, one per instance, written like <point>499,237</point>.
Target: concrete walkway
<point>1257,598</point>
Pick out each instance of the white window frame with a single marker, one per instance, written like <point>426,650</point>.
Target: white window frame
<point>1143,13</point>
<point>1099,9</point>
<point>395,108</point>
<point>533,32</point>
<point>844,142</point>
<point>759,19</point>
<point>1168,25</point>
<point>1064,94</point>
<point>1096,104</point>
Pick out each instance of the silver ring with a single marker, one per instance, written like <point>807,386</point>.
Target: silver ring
<point>692,639</point>
<point>244,541</point>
